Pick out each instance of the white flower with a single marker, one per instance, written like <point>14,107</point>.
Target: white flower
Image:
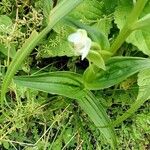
<point>81,42</point>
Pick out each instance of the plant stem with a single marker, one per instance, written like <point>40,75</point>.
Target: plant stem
<point>137,104</point>
<point>127,28</point>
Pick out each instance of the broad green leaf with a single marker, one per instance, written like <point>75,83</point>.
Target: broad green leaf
<point>104,25</point>
<point>56,14</point>
<point>109,6</point>
<point>117,70</point>
<point>143,23</point>
<point>62,83</point>
<point>70,85</point>
<point>139,38</point>
<point>123,9</point>
<point>88,11</point>
<point>96,13</point>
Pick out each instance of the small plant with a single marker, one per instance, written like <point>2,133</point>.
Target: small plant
<point>112,38</point>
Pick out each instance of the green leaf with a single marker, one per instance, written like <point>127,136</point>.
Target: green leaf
<point>47,6</point>
<point>122,11</point>
<point>91,11</point>
<point>144,84</point>
<point>104,25</point>
<point>62,9</point>
<point>57,14</point>
<point>88,11</point>
<point>96,58</point>
<point>5,50</point>
<point>5,23</point>
<point>62,83</point>
<point>109,6</point>
<point>90,73</point>
<point>117,70</point>
<point>143,23</point>
<point>92,106</point>
<point>139,38</point>
<point>70,85</point>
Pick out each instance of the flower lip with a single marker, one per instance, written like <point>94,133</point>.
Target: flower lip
<point>82,43</point>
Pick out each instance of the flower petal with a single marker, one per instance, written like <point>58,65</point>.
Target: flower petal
<point>74,37</point>
<point>86,48</point>
<point>81,42</point>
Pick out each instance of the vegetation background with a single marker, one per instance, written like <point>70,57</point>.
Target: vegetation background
<point>36,120</point>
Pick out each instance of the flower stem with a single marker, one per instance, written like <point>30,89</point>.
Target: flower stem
<point>127,28</point>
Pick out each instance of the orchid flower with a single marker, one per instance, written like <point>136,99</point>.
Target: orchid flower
<point>81,42</point>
